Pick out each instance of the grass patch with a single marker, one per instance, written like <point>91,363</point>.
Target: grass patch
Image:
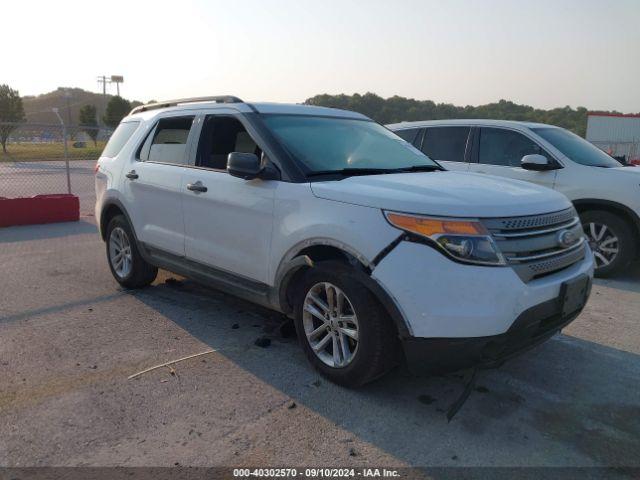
<point>43,152</point>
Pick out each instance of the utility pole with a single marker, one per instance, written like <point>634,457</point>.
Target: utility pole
<point>103,79</point>
<point>117,79</point>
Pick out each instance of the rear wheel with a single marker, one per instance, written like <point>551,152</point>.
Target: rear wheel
<point>126,264</point>
<point>344,331</point>
<point>611,240</point>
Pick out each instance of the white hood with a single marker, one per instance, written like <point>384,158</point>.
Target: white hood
<point>624,170</point>
<point>449,194</point>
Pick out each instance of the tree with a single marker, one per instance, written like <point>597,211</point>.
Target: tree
<point>398,109</point>
<point>117,109</point>
<point>11,110</point>
<point>88,118</point>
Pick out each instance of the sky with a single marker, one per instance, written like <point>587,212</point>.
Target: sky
<point>545,53</point>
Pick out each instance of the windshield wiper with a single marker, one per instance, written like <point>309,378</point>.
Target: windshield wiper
<point>420,168</point>
<point>353,171</point>
<point>375,171</point>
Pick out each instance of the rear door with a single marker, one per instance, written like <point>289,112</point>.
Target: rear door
<point>499,151</point>
<point>449,145</point>
<point>153,181</point>
<point>228,221</point>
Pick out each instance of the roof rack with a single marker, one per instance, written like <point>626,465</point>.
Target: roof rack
<point>173,103</point>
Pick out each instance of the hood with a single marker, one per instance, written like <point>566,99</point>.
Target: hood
<point>446,193</point>
<point>625,170</point>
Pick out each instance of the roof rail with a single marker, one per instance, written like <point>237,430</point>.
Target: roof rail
<point>173,103</point>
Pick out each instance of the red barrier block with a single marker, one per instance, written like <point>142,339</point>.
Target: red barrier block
<point>39,209</point>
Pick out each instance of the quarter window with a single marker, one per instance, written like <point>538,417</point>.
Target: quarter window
<point>446,143</point>
<point>119,138</point>
<point>167,142</point>
<point>505,147</point>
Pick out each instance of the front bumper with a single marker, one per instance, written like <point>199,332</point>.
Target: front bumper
<point>439,298</point>
<point>441,355</point>
<point>458,316</point>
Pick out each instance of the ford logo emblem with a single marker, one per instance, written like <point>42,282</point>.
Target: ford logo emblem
<point>566,238</point>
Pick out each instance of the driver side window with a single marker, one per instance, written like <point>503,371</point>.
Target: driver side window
<point>222,135</point>
<point>505,147</point>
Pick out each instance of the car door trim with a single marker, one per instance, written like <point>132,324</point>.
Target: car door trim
<point>227,282</point>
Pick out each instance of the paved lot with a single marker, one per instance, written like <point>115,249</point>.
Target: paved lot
<point>25,179</point>
<point>69,338</point>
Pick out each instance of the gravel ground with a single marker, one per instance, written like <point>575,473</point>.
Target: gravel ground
<point>70,337</point>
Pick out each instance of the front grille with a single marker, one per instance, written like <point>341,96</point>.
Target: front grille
<point>531,244</point>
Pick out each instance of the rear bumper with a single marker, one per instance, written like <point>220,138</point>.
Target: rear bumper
<point>441,355</point>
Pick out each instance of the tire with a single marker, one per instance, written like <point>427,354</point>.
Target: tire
<point>134,271</point>
<point>376,349</point>
<point>617,235</point>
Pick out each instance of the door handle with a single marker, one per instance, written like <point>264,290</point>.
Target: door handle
<point>132,175</point>
<point>196,187</point>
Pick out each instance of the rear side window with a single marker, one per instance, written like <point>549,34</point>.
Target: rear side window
<point>505,147</point>
<point>167,141</point>
<point>446,143</point>
<point>119,138</point>
<point>409,134</point>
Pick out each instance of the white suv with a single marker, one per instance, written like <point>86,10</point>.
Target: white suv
<point>375,250</point>
<point>605,193</point>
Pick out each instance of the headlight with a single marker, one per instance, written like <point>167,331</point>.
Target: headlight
<point>464,240</point>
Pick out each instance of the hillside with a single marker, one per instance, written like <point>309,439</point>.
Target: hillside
<point>38,108</point>
<point>399,109</point>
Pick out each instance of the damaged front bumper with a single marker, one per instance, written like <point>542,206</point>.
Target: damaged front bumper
<point>534,326</point>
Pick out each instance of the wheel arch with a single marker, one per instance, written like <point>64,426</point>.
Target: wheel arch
<point>111,208</point>
<point>305,255</point>
<point>623,211</point>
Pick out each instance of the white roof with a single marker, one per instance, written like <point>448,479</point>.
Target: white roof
<point>467,122</point>
<point>248,107</point>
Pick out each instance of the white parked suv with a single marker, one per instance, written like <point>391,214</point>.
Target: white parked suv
<point>374,250</point>
<point>605,193</point>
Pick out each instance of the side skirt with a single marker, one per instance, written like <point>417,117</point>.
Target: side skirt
<point>255,292</point>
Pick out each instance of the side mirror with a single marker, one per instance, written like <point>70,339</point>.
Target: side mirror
<point>536,162</point>
<point>244,165</point>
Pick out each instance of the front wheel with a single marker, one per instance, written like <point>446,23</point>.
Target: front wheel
<point>611,240</point>
<point>344,331</point>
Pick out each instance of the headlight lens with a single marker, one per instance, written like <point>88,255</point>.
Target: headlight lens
<point>465,240</point>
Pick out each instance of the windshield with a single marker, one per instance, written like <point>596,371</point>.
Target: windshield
<point>333,144</point>
<point>576,148</point>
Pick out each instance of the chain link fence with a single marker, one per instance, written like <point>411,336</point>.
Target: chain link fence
<point>38,159</point>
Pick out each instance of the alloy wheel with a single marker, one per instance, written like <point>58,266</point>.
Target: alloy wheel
<point>603,242</point>
<point>330,325</point>
<point>120,254</point>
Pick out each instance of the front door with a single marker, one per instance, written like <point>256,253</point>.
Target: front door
<point>228,221</point>
<point>498,151</point>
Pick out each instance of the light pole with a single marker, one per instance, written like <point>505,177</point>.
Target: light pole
<point>67,96</point>
<point>66,152</point>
